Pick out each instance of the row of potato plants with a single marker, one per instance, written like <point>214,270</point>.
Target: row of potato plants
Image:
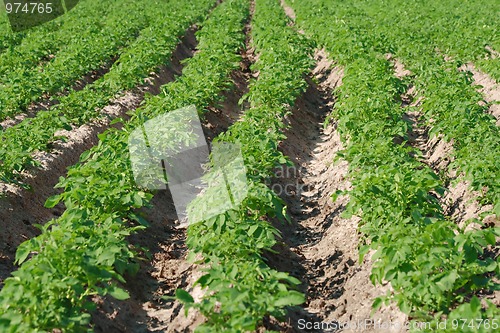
<point>36,37</point>
<point>89,49</point>
<point>435,267</point>
<point>239,287</point>
<point>7,37</point>
<point>152,48</point>
<point>450,103</point>
<point>465,31</point>
<point>85,252</point>
<point>41,43</point>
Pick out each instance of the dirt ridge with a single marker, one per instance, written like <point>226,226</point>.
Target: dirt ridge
<point>488,87</point>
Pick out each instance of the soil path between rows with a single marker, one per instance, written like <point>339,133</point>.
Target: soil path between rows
<point>488,87</point>
<point>320,247</point>
<point>460,201</point>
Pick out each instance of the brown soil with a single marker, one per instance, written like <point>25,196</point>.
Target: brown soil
<point>27,206</point>
<point>492,53</point>
<point>320,247</point>
<point>13,121</point>
<point>488,87</point>
<point>167,271</point>
<point>288,10</point>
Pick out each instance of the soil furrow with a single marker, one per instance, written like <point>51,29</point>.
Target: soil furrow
<point>488,87</point>
<point>460,201</point>
<point>321,247</point>
<point>493,54</point>
<point>288,10</point>
<point>20,204</point>
<point>168,269</point>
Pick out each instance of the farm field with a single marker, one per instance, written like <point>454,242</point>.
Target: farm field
<point>344,155</point>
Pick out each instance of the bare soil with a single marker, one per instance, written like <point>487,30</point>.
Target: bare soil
<point>493,54</point>
<point>488,87</point>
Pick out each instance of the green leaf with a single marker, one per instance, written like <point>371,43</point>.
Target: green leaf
<point>335,195</point>
<point>168,298</point>
<point>447,282</point>
<point>363,250</point>
<point>204,280</point>
<point>405,307</point>
<point>475,304</point>
<point>118,293</point>
<point>22,253</point>
<point>377,303</point>
<point>292,298</point>
<point>84,156</point>
<point>65,123</point>
<point>184,296</point>
<point>52,201</point>
<point>252,229</point>
<point>137,200</point>
<point>141,220</point>
<point>117,120</point>
<point>490,238</point>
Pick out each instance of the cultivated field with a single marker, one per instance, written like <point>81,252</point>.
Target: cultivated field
<point>353,182</point>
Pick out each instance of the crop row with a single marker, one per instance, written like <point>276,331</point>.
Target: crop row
<point>83,251</point>
<point>88,50</point>
<point>38,44</point>
<point>450,103</point>
<point>240,289</point>
<point>152,48</point>
<point>9,39</point>
<point>434,266</point>
<point>465,31</point>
